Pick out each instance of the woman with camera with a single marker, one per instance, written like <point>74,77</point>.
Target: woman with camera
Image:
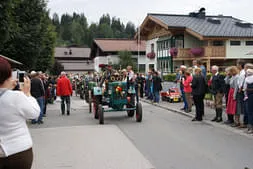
<point>15,108</point>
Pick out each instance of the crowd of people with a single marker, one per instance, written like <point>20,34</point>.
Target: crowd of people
<point>236,85</point>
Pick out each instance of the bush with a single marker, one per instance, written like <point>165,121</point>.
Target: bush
<point>170,77</point>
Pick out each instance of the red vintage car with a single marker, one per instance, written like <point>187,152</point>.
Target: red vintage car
<point>172,95</point>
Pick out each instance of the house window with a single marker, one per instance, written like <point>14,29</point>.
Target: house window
<point>152,47</point>
<point>218,43</point>
<point>151,66</point>
<point>249,43</point>
<point>179,43</point>
<point>142,68</point>
<point>235,43</point>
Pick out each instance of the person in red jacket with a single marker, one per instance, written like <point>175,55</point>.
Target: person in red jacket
<point>64,90</point>
<point>188,90</point>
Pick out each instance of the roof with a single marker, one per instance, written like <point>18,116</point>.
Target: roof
<point>111,45</point>
<point>226,28</point>
<point>11,60</point>
<point>76,65</point>
<point>75,52</point>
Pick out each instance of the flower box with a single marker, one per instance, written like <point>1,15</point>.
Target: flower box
<point>173,52</point>
<point>151,55</point>
<point>197,51</point>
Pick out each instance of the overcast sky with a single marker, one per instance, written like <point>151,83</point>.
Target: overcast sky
<point>136,10</point>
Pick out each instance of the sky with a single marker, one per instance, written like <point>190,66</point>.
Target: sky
<point>136,10</point>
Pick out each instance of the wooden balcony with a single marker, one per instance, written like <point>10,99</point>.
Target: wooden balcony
<point>209,51</point>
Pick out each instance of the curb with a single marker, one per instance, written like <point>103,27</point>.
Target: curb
<point>234,130</point>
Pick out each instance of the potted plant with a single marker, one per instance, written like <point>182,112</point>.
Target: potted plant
<point>197,51</point>
<point>173,52</point>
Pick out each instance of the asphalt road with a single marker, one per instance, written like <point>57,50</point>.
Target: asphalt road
<point>168,140</point>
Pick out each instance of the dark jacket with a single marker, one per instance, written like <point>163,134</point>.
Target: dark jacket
<point>218,84</point>
<point>199,85</point>
<point>157,84</point>
<point>37,89</point>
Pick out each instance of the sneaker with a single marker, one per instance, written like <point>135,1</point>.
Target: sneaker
<point>40,122</point>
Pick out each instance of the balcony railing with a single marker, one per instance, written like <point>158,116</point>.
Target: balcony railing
<point>212,51</point>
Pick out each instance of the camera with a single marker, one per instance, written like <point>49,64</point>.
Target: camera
<point>21,75</point>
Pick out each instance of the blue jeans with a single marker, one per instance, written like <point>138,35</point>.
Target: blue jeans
<point>156,96</point>
<point>184,99</point>
<point>40,101</point>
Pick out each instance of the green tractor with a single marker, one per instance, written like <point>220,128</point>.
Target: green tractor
<point>119,96</point>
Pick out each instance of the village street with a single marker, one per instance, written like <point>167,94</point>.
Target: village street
<point>164,140</point>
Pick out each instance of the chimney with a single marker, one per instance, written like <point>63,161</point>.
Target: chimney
<point>202,13</point>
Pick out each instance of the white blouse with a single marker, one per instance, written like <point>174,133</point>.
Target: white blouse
<point>15,109</point>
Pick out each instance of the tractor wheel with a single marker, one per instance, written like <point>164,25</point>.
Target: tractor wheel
<point>101,114</point>
<point>138,112</point>
<point>95,109</point>
<point>86,95</point>
<point>130,113</point>
<point>90,106</point>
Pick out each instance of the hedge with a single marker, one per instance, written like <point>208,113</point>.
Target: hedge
<point>169,77</point>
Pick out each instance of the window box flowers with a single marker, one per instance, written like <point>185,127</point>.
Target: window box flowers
<point>151,55</point>
<point>197,51</point>
<point>173,52</point>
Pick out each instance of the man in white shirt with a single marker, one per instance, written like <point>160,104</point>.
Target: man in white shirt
<point>240,95</point>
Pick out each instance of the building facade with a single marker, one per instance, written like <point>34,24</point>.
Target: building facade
<point>106,51</point>
<point>74,59</point>
<point>179,39</point>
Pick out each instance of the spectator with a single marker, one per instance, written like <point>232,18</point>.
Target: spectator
<point>181,79</point>
<point>231,106</point>
<point>157,87</point>
<point>230,118</point>
<point>198,92</point>
<point>217,89</point>
<point>248,88</point>
<point>38,92</point>
<point>240,95</point>
<point>188,91</point>
<point>16,107</point>
<point>64,90</point>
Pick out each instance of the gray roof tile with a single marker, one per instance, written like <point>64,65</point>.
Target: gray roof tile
<point>226,28</point>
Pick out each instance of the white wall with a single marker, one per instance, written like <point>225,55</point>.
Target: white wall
<point>99,60</point>
<point>114,59</point>
<point>148,50</point>
<point>191,42</point>
<point>238,52</point>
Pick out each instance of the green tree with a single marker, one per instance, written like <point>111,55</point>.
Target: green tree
<point>66,22</point>
<point>104,31</point>
<point>118,28</point>
<point>105,19</point>
<point>27,24</point>
<point>125,59</point>
<point>130,30</point>
<point>57,68</point>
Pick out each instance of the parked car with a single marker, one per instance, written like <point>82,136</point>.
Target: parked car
<point>172,95</point>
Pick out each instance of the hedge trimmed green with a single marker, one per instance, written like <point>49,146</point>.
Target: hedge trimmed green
<point>169,77</point>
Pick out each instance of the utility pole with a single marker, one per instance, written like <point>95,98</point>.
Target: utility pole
<point>138,46</point>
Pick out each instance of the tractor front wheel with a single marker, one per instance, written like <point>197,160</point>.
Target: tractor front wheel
<point>138,112</point>
<point>101,114</point>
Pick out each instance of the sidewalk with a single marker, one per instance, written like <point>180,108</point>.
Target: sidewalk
<point>209,115</point>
